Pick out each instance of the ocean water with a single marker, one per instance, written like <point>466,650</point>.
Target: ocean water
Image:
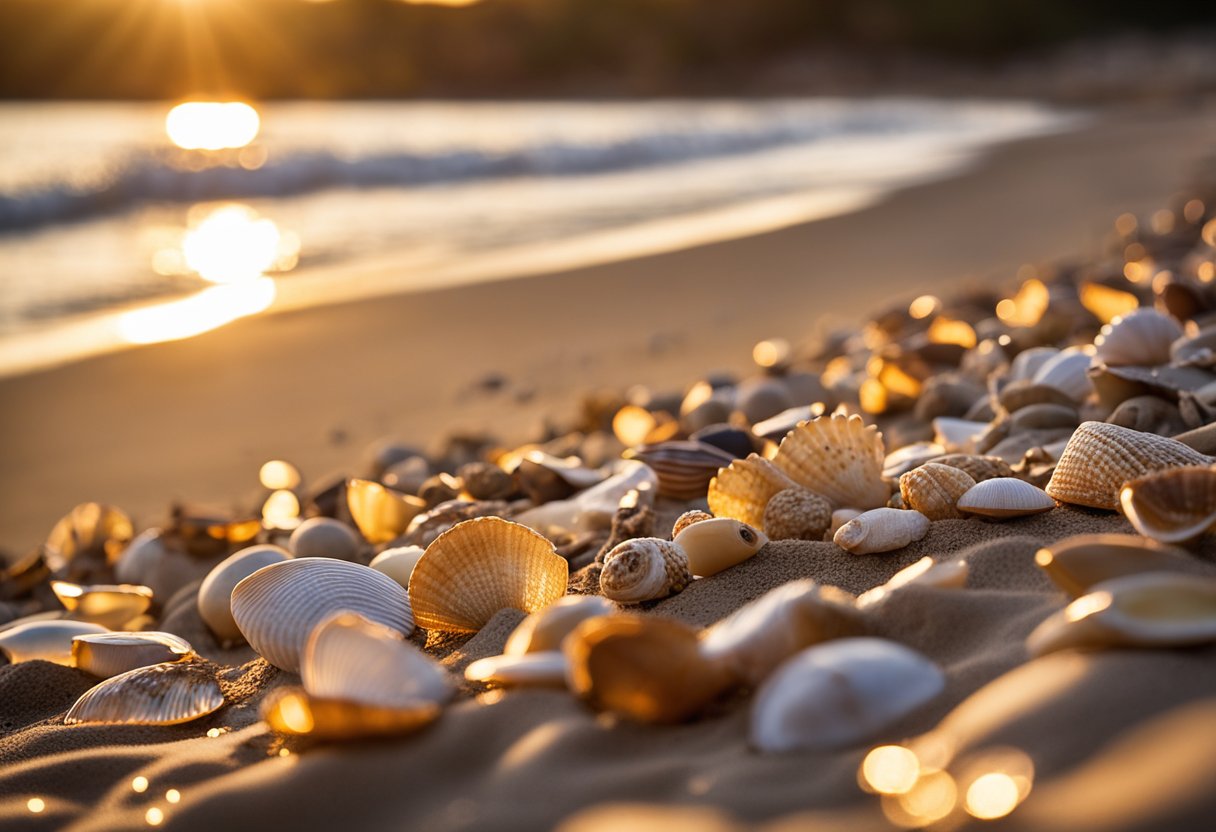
<point>110,234</point>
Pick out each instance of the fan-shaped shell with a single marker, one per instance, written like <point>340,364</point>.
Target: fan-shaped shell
<point>797,514</point>
<point>398,563</point>
<point>545,629</point>
<point>1100,458</point>
<point>1005,497</point>
<point>837,457</point>
<point>1142,336</point>
<point>110,605</point>
<point>109,654</point>
<point>645,568</point>
<point>161,694</point>
<point>50,641</point>
<point>292,712</point>
<point>742,489</point>
<point>684,468</point>
<point>215,593</point>
<point>1079,562</point>
<point>1068,372</point>
<point>277,607</point>
<point>925,572</point>
<point>934,489</point>
<point>718,544</point>
<point>324,537</point>
<point>547,668</point>
<point>1171,506</point>
<point>881,530</point>
<point>978,467</point>
<point>381,513</point>
<point>481,566</point>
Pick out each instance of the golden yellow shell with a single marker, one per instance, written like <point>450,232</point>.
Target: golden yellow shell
<point>742,489</point>
<point>1077,563</point>
<point>1171,506</point>
<point>839,458</point>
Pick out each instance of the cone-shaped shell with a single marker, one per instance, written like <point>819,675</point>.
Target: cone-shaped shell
<point>1142,337</point>
<point>718,544</point>
<point>1079,562</point>
<point>978,467</point>
<point>838,457</point>
<point>1153,609</point>
<point>1005,497</point>
<point>1171,506</point>
<point>684,468</point>
<point>381,513</point>
<point>1100,458</point>
<point>110,605</point>
<point>49,641</point>
<point>643,569</point>
<point>742,489</point>
<point>161,694</point>
<point>840,694</point>
<point>545,629</point>
<point>109,654</point>
<point>215,593</point>
<point>881,530</point>
<point>546,669</point>
<point>356,660</point>
<point>934,489</point>
<point>687,519</point>
<point>292,712</point>
<point>481,566</point>
<point>398,563</point>
<point>277,607</point>
<point>925,572</point>
<point>797,514</point>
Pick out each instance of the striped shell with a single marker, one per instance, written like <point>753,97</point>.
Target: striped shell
<point>277,607</point>
<point>109,654</point>
<point>215,593</point>
<point>1141,337</point>
<point>1100,458</point>
<point>292,712</point>
<point>1171,506</point>
<point>1079,562</point>
<point>934,489</point>
<point>1005,497</point>
<point>381,513</point>
<point>161,694</point>
<point>979,468</point>
<point>881,530</point>
<point>797,514</point>
<point>837,457</point>
<point>742,489</point>
<point>684,468</point>
<point>645,568</point>
<point>49,641</point>
<point>715,545</point>
<point>481,566</point>
<point>110,605</point>
<point>545,629</point>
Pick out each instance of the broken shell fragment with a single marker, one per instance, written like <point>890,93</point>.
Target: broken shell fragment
<point>1004,498</point>
<point>1077,563</point>
<point>797,514</point>
<point>714,545</point>
<point>934,489</point>
<point>545,629</point>
<point>645,569</point>
<point>215,593</point>
<point>109,654</point>
<point>160,694</point>
<point>49,641</point>
<point>381,513</point>
<point>324,537</point>
<point>546,669</point>
<point>951,574</point>
<point>742,489</point>
<point>684,468</point>
<point>1171,506</point>
<point>881,530</point>
<point>110,605</point>
<point>398,563</point>
<point>292,712</point>
<point>837,457</point>
<point>687,519</point>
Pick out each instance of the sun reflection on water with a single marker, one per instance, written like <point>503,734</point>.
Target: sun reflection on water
<point>207,310</point>
<point>212,125</point>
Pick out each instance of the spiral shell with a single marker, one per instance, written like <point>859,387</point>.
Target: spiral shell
<point>49,641</point>
<point>684,468</point>
<point>215,593</point>
<point>1077,563</point>
<point>881,530</point>
<point>160,694</point>
<point>979,468</point>
<point>934,489</point>
<point>837,457</point>
<point>714,545</point>
<point>742,489</point>
<point>1171,506</point>
<point>109,654</point>
<point>645,568</point>
<point>1004,498</point>
<point>1142,337</point>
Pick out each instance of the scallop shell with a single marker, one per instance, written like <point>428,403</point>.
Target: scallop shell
<point>684,468</point>
<point>215,593</point>
<point>1100,457</point>
<point>979,468</point>
<point>160,694</point>
<point>381,513</point>
<point>837,457</point>
<point>742,489</point>
<point>277,606</point>
<point>324,537</point>
<point>1153,609</point>
<point>1171,506</point>
<point>644,569</point>
<point>109,654</point>
<point>958,435</point>
<point>544,630</point>
<point>292,712</point>
<point>1142,336</point>
<point>925,572</point>
<point>1068,372</point>
<point>481,566</point>
<point>756,638</point>
<point>881,530</point>
<point>1079,562</point>
<point>797,514</point>
<point>49,641</point>
<point>594,508</point>
<point>110,605</point>
<point>91,532</point>
<point>546,669</point>
<point>785,421</point>
<point>398,563</point>
<point>687,519</point>
<point>715,545</point>
<point>933,489</point>
<point>841,694</point>
<point>1004,498</point>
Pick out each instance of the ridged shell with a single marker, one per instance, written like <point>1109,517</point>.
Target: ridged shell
<point>277,607</point>
<point>109,654</point>
<point>934,489</point>
<point>797,514</point>
<point>841,694</point>
<point>110,605</point>
<point>925,572</point>
<point>1142,336</point>
<point>1154,609</point>
<point>1068,372</point>
<point>381,513</point>
<point>545,669</point>
<point>161,694</point>
<point>715,545</point>
<point>481,566</point>
<point>1004,498</point>
<point>742,489</point>
<point>398,563</point>
<point>215,593</point>
<point>979,468</point>
<point>594,508</point>
<point>49,641</point>
<point>1100,458</point>
<point>643,569</point>
<point>324,537</point>
<point>350,658</point>
<point>545,629</point>
<point>292,712</point>
<point>881,530</point>
<point>839,458</point>
<point>1171,506</point>
<point>687,519</point>
<point>756,638</point>
<point>1079,562</point>
<point>684,468</point>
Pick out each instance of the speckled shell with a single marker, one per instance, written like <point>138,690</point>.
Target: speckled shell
<point>839,458</point>
<point>979,468</point>
<point>687,519</point>
<point>277,607</point>
<point>1005,498</point>
<point>110,605</point>
<point>1079,562</point>
<point>215,593</point>
<point>925,572</point>
<point>934,489</point>
<point>684,468</point>
<point>481,566</point>
<point>324,537</point>
<point>1100,458</point>
<point>742,489</point>
<point>50,641</point>
<point>398,563</point>
<point>840,694</point>
<point>1141,337</point>
<point>643,569</point>
<point>381,513</point>
<point>546,669</point>
<point>545,629</point>
<point>161,694</point>
<point>881,530</point>
<point>1068,372</point>
<point>109,654</point>
<point>1171,506</point>
<point>797,514</point>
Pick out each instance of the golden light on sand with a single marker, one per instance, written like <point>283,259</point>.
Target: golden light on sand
<point>1107,303</point>
<point>991,796</point>
<point>278,474</point>
<point>932,798</point>
<point>231,244</point>
<point>36,805</point>
<point>212,125</point>
<point>154,817</point>
<point>890,769</point>
<point>173,796</point>
<point>924,306</point>
<point>207,310</point>
<point>139,784</point>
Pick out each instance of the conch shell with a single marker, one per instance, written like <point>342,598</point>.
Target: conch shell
<point>645,568</point>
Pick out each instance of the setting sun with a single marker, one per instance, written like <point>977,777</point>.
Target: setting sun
<point>212,125</point>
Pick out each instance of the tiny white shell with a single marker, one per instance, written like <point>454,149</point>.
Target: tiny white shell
<point>881,530</point>
<point>215,593</point>
<point>1005,497</point>
<point>544,669</point>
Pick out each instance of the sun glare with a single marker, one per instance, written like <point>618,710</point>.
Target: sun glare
<point>232,244</point>
<point>212,125</point>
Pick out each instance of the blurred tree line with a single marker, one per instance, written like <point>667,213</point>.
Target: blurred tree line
<point>384,48</point>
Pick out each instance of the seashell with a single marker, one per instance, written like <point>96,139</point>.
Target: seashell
<point>1149,414</point>
<point>712,546</point>
<point>756,638</point>
<point>839,458</point>
<point>925,572</point>
<point>349,658</point>
<point>153,561</point>
<point>385,453</point>
<point>427,526</point>
<point>437,490</point>
<point>398,563</point>
<point>742,489</point>
<point>1100,457</point>
<point>687,519</point>
<point>1043,416</point>
<point>160,694</point>
<point>546,669</point>
<point>1171,506</point>
<point>408,475</point>
<point>109,654</point>
<point>48,641</point>
<point>979,468</point>
<point>958,435</point>
<point>839,517</point>
<point>684,468</point>
<point>545,477</point>
<point>277,607</point>
<point>1202,439</point>
<point>840,694</point>
<point>881,530</point>
<point>1003,498</point>
<point>1019,394</point>
<point>644,569</point>
<point>908,457</point>
<point>381,513</point>
<point>1142,336</point>
<point>481,566</point>
<point>94,533</point>
<point>545,629</point>
<point>110,605</point>
<point>1197,350</point>
<point>324,537</point>
<point>933,489</point>
<point>646,668</point>
<point>215,593</point>
<point>1153,609</point>
<point>593,509</point>
<point>292,712</point>
<point>1117,384</point>
<point>1068,372</point>
<point>797,514</point>
<point>947,395</point>
<point>485,481</point>
<point>1028,362</point>
<point>778,426</point>
<point>1077,563</point>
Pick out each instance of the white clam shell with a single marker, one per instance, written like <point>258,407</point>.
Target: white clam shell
<point>1142,337</point>
<point>840,694</point>
<point>715,545</point>
<point>1027,363</point>
<point>161,694</point>
<point>1005,497</point>
<point>881,530</point>
<point>547,668</point>
<point>215,593</point>
<point>398,563</point>
<point>109,654</point>
<point>49,641</point>
<point>1068,371</point>
<point>324,537</point>
<point>277,607</point>
<point>594,508</point>
<point>925,572</point>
